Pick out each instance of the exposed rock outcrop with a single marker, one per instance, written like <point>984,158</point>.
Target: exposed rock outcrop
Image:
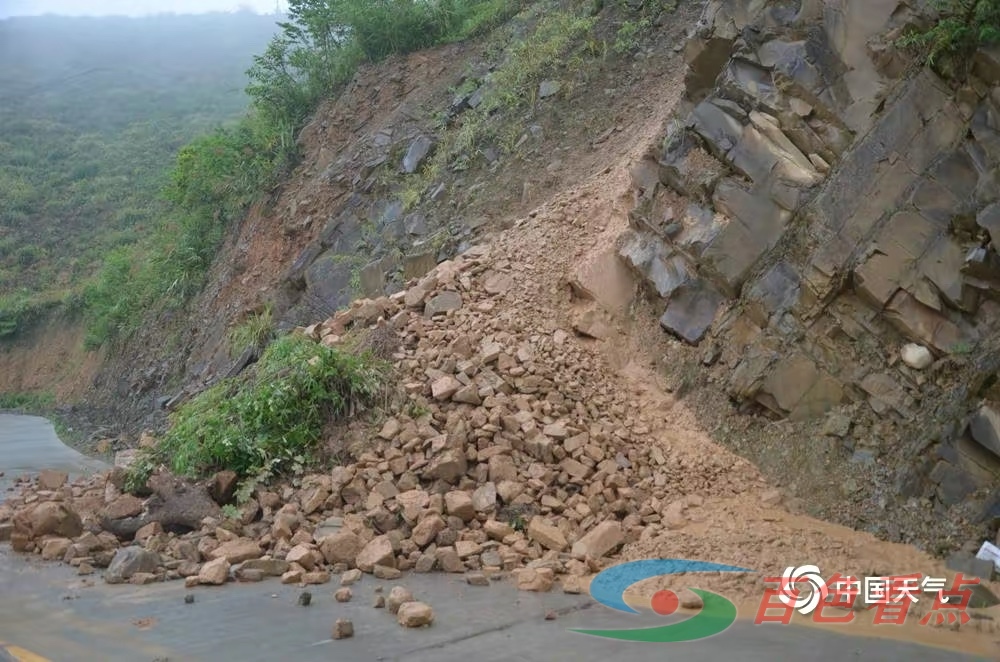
<point>820,205</point>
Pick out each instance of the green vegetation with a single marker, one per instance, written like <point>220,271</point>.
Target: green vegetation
<point>161,256</point>
<point>30,402</point>
<point>556,43</point>
<point>256,331</point>
<point>271,419</point>
<point>627,38</point>
<point>962,27</point>
<point>92,115</point>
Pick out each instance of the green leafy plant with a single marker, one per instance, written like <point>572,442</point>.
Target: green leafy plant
<point>518,523</point>
<point>627,37</point>
<point>962,348</point>
<point>962,27</point>
<point>271,419</point>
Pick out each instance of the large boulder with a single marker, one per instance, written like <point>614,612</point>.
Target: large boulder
<point>129,561</point>
<point>179,507</point>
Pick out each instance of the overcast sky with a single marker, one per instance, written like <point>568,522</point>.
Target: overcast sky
<point>128,7</point>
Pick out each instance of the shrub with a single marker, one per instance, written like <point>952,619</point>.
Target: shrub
<point>269,420</point>
<point>962,27</point>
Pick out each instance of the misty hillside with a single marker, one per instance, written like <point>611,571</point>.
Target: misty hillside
<point>92,112</point>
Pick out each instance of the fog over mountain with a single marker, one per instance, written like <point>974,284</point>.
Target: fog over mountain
<point>132,7</point>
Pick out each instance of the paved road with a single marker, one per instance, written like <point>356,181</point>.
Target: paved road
<point>29,443</point>
<point>47,610</point>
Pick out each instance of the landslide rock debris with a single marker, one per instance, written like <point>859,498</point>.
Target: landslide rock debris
<point>508,451</point>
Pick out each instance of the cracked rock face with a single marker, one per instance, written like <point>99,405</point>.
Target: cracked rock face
<point>846,219</point>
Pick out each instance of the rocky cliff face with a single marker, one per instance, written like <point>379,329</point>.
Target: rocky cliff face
<point>818,223</point>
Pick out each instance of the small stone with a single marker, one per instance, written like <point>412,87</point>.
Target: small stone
<point>385,572</point>
<point>425,563</point>
<point>270,567</point>
<point>460,505</point>
<point>771,497</point>
<point>427,529</point>
<point>548,88</point>
<point>443,303</point>
<point>316,577</point>
<point>916,356</point>
<point>377,552</point>
<point>351,577</point>
<point>445,387</point>
<point>249,575</point>
<point>572,584</point>
<point>305,599</point>
<point>293,576</point>
<point>341,547</point>
<point>546,535</point>
<point>237,551</point>
<point>189,599</point>
<point>302,555</point>
<point>399,595</point>
<point>142,578</point>
<point>484,499</point>
<point>343,629</point>
<point>51,480</point>
<point>551,615</point>
<point>497,530</point>
<point>130,560</point>
<point>379,602</point>
<point>599,541</point>
<point>215,572</point>
<point>534,579</point>
<point>477,579</point>
<point>448,559</point>
<point>415,615</point>
<point>837,425</point>
<point>468,395</point>
<point>343,595</point>
<point>55,548</point>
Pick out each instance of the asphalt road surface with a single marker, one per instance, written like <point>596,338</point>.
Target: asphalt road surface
<point>29,443</point>
<point>44,609</point>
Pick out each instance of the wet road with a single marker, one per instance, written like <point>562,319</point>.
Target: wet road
<point>55,617</point>
<point>30,443</point>
<point>47,612</point>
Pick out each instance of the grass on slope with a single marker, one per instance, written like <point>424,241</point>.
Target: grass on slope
<point>271,419</point>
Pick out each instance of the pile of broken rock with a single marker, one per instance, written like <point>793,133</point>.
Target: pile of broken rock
<point>183,533</point>
<point>511,455</point>
<point>509,458</point>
